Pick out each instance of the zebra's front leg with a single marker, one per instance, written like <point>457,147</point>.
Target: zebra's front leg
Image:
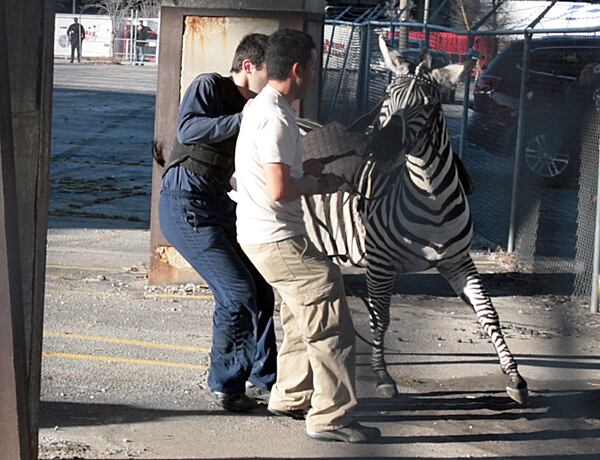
<point>379,286</point>
<point>466,282</point>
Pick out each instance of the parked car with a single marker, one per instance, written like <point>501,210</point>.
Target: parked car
<point>557,99</point>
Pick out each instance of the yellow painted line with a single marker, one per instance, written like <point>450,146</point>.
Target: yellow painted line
<point>486,262</point>
<point>141,343</point>
<point>115,359</point>
<point>180,296</point>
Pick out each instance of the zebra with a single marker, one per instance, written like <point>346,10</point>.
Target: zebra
<point>407,211</point>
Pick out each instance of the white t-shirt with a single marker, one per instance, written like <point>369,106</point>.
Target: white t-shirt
<point>268,134</point>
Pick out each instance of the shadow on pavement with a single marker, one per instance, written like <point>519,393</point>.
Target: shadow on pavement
<point>544,404</point>
<point>66,414</point>
<point>543,361</point>
<point>497,284</point>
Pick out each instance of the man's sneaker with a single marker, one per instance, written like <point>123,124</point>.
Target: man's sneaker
<point>354,432</point>
<point>252,391</point>
<point>296,414</point>
<point>234,403</point>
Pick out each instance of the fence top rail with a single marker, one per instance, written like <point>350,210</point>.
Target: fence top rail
<point>473,33</point>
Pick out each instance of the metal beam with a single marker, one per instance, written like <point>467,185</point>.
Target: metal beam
<point>26,63</point>
<point>14,411</point>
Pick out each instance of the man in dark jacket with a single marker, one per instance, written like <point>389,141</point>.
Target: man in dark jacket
<point>76,34</point>
<point>141,35</point>
<point>198,218</point>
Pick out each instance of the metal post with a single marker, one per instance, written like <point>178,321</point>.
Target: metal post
<point>74,7</point>
<point>519,147</point>
<point>80,39</point>
<point>465,115</point>
<point>326,71</point>
<point>510,247</point>
<point>131,46</point>
<point>366,64</point>
<point>594,308</point>
<point>333,24</point>
<point>403,31</point>
<point>426,23</point>
<point>15,434</point>
<point>157,41</point>
<point>366,55</point>
<point>341,76</point>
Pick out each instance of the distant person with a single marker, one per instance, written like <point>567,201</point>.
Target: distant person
<point>76,34</point>
<point>141,37</point>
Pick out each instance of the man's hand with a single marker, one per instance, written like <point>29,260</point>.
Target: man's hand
<point>312,167</point>
<point>329,183</point>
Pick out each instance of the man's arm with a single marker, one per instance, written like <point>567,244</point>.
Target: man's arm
<point>199,117</point>
<point>283,187</point>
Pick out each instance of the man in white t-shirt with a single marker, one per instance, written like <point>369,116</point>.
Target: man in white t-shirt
<point>316,360</point>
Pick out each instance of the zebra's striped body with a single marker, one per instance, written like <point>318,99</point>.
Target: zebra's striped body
<point>414,215</point>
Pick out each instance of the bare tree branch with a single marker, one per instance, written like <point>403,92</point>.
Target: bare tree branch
<point>148,8</point>
<point>116,9</point>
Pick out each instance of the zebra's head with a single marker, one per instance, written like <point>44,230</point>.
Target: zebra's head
<point>412,103</point>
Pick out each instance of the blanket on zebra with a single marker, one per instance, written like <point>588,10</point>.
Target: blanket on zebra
<point>335,222</point>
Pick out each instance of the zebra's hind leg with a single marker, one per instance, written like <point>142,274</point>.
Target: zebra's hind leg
<point>466,282</point>
<point>380,285</point>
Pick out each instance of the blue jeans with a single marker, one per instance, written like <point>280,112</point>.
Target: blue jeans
<point>243,342</point>
<point>139,53</point>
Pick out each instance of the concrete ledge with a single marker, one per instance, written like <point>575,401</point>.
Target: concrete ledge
<point>300,6</point>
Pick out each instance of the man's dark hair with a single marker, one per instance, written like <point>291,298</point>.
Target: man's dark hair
<point>252,47</point>
<point>286,47</point>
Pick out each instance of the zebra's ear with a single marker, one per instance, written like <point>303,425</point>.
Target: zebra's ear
<point>451,74</point>
<point>393,59</point>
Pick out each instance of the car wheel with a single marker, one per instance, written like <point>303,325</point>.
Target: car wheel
<point>547,158</point>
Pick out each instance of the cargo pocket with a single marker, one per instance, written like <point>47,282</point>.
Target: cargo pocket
<point>320,312</point>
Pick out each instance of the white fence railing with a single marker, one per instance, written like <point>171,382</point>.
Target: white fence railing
<point>99,42</point>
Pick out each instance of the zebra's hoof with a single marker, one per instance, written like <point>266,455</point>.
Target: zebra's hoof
<point>387,390</point>
<point>516,388</point>
<point>520,396</point>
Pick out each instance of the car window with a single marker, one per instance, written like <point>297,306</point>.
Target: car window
<point>563,61</point>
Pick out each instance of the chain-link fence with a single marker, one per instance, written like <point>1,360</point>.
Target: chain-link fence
<point>132,45</point>
<point>530,94</point>
<point>128,43</point>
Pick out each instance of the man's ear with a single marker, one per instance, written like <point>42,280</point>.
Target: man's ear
<point>247,65</point>
<point>450,75</point>
<point>296,71</point>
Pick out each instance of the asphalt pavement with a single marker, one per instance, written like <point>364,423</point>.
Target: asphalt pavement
<point>124,365</point>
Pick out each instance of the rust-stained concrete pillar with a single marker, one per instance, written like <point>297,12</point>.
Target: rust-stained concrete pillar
<point>26,52</point>
<point>198,36</point>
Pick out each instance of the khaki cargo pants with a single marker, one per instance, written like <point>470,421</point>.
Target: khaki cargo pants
<point>315,364</point>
